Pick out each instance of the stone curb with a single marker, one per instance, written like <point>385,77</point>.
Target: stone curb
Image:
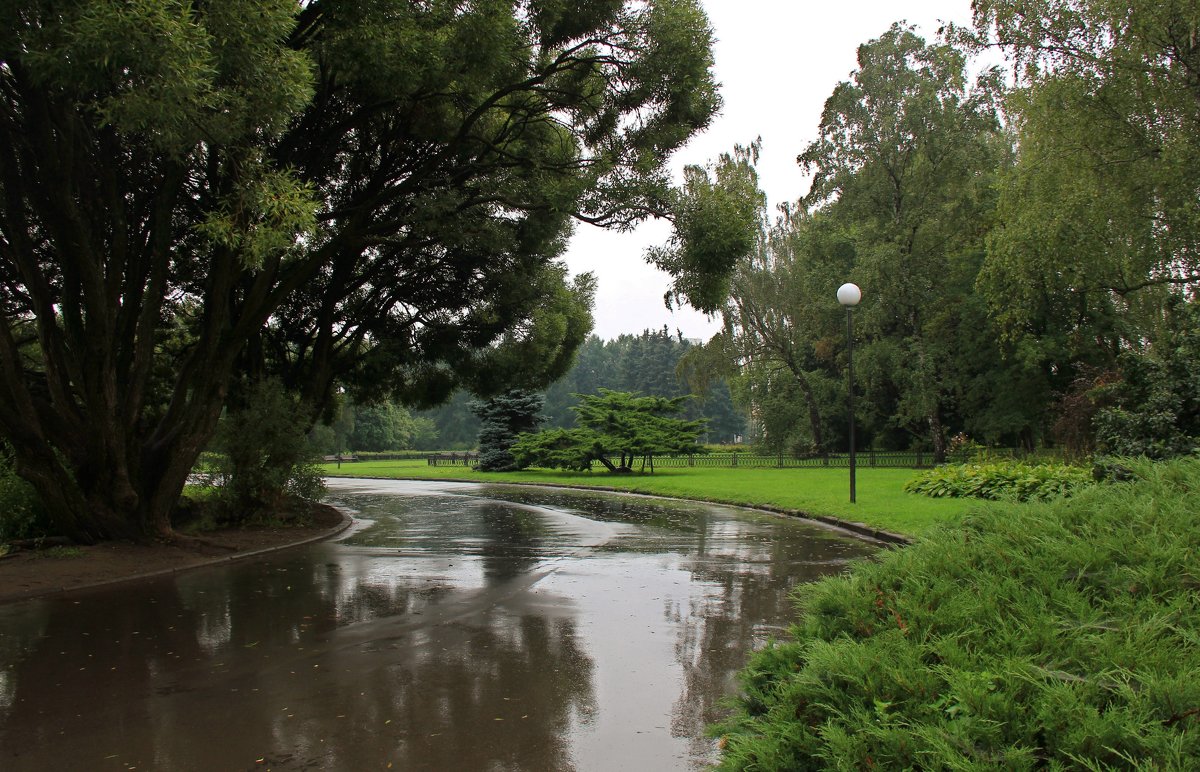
<point>337,530</point>
<point>858,529</point>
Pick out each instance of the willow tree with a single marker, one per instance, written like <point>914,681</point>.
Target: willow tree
<point>366,190</point>
<point>1099,220</point>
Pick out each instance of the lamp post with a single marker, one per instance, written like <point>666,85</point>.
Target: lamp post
<point>849,295</point>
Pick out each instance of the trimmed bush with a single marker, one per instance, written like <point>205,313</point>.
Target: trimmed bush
<point>999,480</point>
<point>1051,635</point>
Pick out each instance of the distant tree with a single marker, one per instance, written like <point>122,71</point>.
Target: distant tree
<point>381,427</point>
<point>648,363</point>
<point>616,428</point>
<point>501,420</point>
<point>456,426</point>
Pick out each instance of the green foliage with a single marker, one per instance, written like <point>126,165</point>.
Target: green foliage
<point>1154,410</point>
<point>1055,635</point>
<point>716,221</point>
<point>1097,229</point>
<point>1015,480</point>
<point>21,512</point>
<point>265,458</point>
<point>381,427</point>
<point>616,428</point>
<point>1098,217</point>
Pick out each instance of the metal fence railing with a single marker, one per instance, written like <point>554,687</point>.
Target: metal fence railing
<point>452,459</point>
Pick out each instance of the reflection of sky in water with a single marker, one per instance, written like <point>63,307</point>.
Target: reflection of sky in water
<point>450,630</point>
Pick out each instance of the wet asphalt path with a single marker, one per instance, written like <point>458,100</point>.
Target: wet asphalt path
<point>455,627</point>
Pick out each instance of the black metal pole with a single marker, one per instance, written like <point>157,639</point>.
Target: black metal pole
<point>850,389</point>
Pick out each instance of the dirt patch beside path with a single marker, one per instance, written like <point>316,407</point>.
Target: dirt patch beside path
<point>32,573</point>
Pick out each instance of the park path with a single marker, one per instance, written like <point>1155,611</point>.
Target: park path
<point>455,626</point>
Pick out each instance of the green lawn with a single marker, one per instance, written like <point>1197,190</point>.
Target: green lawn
<point>882,502</point>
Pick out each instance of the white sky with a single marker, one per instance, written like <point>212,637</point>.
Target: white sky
<point>777,61</point>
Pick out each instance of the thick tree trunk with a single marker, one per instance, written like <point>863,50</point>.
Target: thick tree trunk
<point>814,411</point>
<point>111,492</point>
<point>937,435</point>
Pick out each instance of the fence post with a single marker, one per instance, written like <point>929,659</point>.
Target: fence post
<point>871,453</point>
<point>825,459</point>
<point>733,460</point>
<point>920,458</point>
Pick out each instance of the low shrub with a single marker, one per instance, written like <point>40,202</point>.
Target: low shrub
<point>262,460</point>
<point>21,512</point>
<point>395,455</point>
<point>995,480</point>
<point>1053,635</point>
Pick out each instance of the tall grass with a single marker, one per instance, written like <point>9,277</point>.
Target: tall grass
<point>1058,635</point>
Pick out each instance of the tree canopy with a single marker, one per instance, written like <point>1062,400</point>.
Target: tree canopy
<point>371,193</point>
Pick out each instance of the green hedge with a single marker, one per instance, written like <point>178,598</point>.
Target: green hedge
<point>1046,635</point>
<point>997,480</point>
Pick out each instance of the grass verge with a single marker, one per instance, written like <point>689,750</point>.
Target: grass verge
<point>882,502</point>
<point>1062,635</point>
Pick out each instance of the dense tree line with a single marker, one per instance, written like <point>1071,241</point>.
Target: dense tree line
<point>652,363</point>
<point>1029,254</point>
<point>647,364</point>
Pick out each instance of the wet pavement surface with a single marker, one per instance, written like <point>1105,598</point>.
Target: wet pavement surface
<point>456,627</point>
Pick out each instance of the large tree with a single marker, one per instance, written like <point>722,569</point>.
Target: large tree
<point>781,329</point>
<point>1100,218</point>
<point>367,190</point>
<point>1098,233</point>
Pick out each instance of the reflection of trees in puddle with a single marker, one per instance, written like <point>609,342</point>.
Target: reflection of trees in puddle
<point>746,599</point>
<point>295,662</point>
<point>23,624</point>
<point>605,507</point>
<point>513,540</point>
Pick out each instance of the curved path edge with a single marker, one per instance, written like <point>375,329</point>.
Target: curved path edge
<point>856,528</point>
<point>44,592</point>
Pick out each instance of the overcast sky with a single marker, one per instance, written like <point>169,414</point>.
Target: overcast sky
<point>777,61</point>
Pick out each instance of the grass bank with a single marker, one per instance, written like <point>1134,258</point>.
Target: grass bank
<point>882,502</point>
<point>1061,635</point>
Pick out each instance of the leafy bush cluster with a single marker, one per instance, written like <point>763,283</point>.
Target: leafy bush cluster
<point>263,458</point>
<point>1056,635</point>
<point>21,513</point>
<point>998,480</point>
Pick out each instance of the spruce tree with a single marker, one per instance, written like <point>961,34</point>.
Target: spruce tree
<point>502,419</point>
